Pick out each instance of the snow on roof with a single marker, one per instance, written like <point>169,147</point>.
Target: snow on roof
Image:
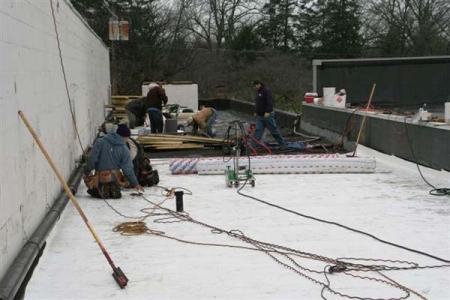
<point>392,204</point>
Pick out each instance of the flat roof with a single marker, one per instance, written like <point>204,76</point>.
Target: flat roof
<point>188,260</point>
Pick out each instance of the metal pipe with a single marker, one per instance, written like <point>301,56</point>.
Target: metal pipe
<point>18,271</point>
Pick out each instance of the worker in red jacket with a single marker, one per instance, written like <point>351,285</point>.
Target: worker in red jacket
<point>156,98</point>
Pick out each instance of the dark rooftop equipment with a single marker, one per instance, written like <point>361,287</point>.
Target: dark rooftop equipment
<point>401,82</point>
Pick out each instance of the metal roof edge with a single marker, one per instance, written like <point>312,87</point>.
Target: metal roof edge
<point>318,62</point>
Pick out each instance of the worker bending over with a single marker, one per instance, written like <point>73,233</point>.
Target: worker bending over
<point>203,120</point>
<point>136,112</point>
<point>108,157</point>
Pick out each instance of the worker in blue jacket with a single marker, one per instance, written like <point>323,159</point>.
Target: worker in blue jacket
<point>264,113</point>
<point>107,158</point>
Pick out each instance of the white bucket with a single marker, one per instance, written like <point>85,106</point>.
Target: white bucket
<point>447,112</point>
<point>328,93</point>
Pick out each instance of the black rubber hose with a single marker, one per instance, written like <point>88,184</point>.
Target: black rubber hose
<point>16,277</point>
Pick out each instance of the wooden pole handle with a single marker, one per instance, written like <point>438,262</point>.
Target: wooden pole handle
<point>61,179</point>
<point>364,117</point>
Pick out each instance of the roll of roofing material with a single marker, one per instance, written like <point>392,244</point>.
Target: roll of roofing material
<point>278,164</point>
<point>189,165</point>
<point>183,165</point>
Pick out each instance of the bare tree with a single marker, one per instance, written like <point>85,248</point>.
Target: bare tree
<point>409,27</point>
<point>216,21</point>
<point>430,21</point>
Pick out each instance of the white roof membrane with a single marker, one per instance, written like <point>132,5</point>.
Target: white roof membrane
<point>392,204</point>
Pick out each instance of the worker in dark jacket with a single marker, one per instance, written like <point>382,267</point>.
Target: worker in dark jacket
<point>107,158</point>
<point>156,98</point>
<point>143,170</point>
<point>136,112</point>
<point>265,115</point>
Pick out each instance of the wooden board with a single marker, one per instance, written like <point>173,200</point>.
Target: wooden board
<point>132,96</point>
<point>161,143</point>
<point>173,147</point>
<point>177,137</point>
<point>115,107</point>
<point>176,141</point>
<point>119,103</point>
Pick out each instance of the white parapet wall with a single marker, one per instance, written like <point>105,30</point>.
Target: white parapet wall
<point>32,81</point>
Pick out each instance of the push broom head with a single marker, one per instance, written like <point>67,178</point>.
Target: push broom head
<point>120,277</point>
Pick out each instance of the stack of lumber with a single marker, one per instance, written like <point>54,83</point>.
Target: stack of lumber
<point>118,104</point>
<point>118,111</point>
<point>176,141</point>
<point>120,101</point>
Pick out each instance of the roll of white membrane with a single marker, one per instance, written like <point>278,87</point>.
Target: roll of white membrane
<point>277,164</point>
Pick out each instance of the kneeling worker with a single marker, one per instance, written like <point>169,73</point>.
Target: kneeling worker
<point>204,119</point>
<point>108,156</point>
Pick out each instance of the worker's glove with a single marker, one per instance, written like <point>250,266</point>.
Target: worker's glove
<point>139,188</point>
<point>266,115</point>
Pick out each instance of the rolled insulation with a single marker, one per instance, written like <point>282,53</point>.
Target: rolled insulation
<point>277,164</point>
<point>183,165</point>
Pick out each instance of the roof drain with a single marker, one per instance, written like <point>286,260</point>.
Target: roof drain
<point>19,273</point>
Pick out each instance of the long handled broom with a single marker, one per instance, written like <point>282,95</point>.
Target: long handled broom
<point>118,275</point>
<point>364,119</point>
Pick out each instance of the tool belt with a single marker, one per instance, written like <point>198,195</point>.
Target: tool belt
<point>106,176</point>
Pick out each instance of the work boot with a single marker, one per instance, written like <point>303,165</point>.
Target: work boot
<point>114,191</point>
<point>94,193</point>
<point>105,189</point>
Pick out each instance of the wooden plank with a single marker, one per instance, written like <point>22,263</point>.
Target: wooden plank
<point>173,147</point>
<point>120,102</point>
<point>180,141</point>
<point>189,138</point>
<point>133,96</point>
<point>115,107</point>
<point>160,143</point>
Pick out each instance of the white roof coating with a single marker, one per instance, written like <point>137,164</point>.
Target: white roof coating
<point>392,204</point>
